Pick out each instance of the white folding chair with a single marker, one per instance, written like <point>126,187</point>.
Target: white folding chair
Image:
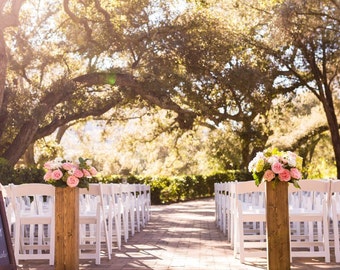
<point>249,219</point>
<point>141,204</point>
<point>222,206</point>
<point>112,211</point>
<point>34,222</point>
<point>217,205</point>
<point>7,195</point>
<point>119,214</point>
<point>335,216</point>
<point>225,209</point>
<point>147,203</point>
<point>129,204</point>
<point>91,223</point>
<point>308,216</point>
<point>135,206</point>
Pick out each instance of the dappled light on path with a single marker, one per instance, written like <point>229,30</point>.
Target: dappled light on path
<point>181,236</point>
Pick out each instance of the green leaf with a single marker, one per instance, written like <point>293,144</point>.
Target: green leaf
<point>296,184</point>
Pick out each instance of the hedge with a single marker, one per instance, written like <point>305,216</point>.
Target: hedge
<point>164,190</point>
<point>17,176</point>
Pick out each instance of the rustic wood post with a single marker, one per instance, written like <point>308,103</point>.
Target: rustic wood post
<point>67,228</point>
<point>278,240</point>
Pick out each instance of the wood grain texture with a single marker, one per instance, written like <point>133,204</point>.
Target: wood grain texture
<point>278,244</point>
<point>67,228</point>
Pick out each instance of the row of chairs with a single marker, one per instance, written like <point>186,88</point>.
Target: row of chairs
<point>108,213</point>
<point>314,216</point>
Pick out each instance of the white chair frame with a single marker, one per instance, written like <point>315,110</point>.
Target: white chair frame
<point>249,217</point>
<point>308,215</point>
<point>91,222</point>
<point>34,222</point>
<point>335,216</point>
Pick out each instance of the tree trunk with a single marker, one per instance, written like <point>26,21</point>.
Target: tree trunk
<point>333,127</point>
<point>9,16</point>
<point>28,158</point>
<point>61,132</point>
<point>3,68</point>
<point>21,142</point>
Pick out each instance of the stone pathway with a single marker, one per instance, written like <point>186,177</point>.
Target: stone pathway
<point>181,236</point>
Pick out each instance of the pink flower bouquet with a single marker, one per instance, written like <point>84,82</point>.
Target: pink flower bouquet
<point>274,165</point>
<point>64,173</point>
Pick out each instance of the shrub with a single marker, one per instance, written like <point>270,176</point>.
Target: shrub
<point>8,174</point>
<point>29,175</point>
<point>180,188</point>
<point>157,185</point>
<point>164,190</point>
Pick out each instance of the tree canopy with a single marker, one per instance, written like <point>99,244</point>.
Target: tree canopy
<point>302,38</point>
<point>212,63</point>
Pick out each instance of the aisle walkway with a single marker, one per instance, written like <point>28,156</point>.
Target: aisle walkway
<point>181,236</point>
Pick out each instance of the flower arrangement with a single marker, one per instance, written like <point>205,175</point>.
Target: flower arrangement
<point>64,173</point>
<point>275,165</point>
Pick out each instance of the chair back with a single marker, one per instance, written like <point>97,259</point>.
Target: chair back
<point>335,186</point>
<point>34,221</point>
<point>312,194</point>
<point>35,198</point>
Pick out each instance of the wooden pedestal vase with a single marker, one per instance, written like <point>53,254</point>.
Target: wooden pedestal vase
<point>66,228</point>
<point>278,240</point>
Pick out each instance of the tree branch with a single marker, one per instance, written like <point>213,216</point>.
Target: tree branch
<point>58,122</point>
<point>134,88</point>
<point>12,17</point>
<point>304,139</point>
<point>77,20</point>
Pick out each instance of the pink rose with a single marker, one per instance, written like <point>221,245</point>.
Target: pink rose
<point>295,173</point>
<point>78,173</point>
<point>56,174</point>
<point>284,175</point>
<point>86,173</point>
<point>268,175</point>
<point>93,171</point>
<point>47,165</point>
<point>68,166</point>
<point>48,175</point>
<point>72,181</point>
<point>277,167</point>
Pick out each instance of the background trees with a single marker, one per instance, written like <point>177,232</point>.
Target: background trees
<point>228,66</point>
<point>302,39</point>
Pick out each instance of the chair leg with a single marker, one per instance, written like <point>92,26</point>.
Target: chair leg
<point>125,220</point>
<point>17,241</point>
<point>98,243</point>
<point>118,231</point>
<point>132,220</point>
<point>326,239</point>
<point>336,238</point>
